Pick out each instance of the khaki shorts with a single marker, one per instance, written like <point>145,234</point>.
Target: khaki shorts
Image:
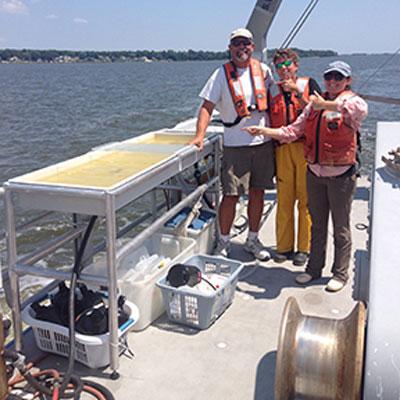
<point>247,166</point>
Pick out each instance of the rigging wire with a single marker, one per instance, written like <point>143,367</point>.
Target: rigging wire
<point>299,23</point>
<point>297,26</point>
<point>381,66</point>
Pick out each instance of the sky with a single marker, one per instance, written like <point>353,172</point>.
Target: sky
<point>345,26</point>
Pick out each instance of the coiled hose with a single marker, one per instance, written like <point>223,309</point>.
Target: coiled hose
<point>45,384</point>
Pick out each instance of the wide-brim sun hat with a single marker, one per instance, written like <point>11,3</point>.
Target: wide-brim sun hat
<point>339,66</point>
<point>241,32</point>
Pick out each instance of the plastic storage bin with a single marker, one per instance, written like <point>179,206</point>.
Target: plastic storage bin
<point>160,252</point>
<point>190,307</point>
<point>202,228</point>
<point>91,351</point>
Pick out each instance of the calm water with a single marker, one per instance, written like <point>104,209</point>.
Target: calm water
<point>52,112</point>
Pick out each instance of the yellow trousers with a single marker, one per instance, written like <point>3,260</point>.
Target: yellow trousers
<point>291,168</point>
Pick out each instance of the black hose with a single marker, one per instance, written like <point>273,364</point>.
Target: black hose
<point>16,359</point>
<point>74,392</point>
<point>197,175</point>
<point>207,281</point>
<point>77,385</point>
<point>74,278</point>
<point>35,383</point>
<point>107,394</point>
<point>45,384</point>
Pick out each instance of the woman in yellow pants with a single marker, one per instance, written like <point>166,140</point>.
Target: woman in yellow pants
<point>287,100</point>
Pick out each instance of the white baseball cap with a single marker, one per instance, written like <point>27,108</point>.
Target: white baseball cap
<point>241,32</point>
<point>339,66</point>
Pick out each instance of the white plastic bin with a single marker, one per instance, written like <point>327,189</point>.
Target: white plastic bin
<point>201,229</point>
<point>90,350</point>
<point>154,258</point>
<point>190,307</point>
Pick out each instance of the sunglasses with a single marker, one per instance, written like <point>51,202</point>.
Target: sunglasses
<point>337,76</point>
<point>238,42</point>
<point>286,63</point>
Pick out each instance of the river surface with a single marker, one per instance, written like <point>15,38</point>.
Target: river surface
<point>52,112</point>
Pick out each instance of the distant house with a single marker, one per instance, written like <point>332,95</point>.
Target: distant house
<point>145,59</point>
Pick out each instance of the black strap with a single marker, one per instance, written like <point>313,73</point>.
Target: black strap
<point>251,108</point>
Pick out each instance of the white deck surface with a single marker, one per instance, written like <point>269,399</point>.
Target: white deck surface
<point>382,360</point>
<point>235,358</point>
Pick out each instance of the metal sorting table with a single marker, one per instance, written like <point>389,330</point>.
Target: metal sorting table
<point>99,183</point>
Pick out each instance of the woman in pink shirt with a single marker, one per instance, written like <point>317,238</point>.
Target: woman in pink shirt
<point>330,126</point>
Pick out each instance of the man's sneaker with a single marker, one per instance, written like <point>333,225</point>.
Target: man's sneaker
<point>223,248</point>
<point>256,248</point>
<point>334,285</point>
<point>282,257</point>
<point>300,258</point>
<point>304,278</point>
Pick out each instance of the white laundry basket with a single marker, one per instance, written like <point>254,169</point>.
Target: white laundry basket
<point>91,350</point>
<point>190,307</point>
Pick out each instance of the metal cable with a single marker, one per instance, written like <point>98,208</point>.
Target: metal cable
<point>385,62</point>
<point>295,25</point>
<point>299,23</point>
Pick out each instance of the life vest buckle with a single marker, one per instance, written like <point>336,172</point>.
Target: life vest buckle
<point>239,103</point>
<point>333,125</point>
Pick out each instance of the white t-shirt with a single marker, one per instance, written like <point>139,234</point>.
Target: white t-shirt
<point>217,91</point>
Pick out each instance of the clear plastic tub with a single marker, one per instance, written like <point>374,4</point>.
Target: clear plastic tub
<point>139,271</point>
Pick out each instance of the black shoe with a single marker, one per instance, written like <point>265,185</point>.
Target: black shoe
<point>300,258</point>
<point>282,257</point>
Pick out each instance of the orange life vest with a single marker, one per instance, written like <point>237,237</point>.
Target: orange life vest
<point>236,89</point>
<point>279,113</point>
<point>328,140</point>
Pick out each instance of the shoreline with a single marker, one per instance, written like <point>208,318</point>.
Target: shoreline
<point>15,56</point>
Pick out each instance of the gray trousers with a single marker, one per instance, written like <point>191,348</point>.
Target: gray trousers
<point>330,195</point>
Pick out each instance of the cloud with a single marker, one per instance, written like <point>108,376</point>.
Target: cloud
<point>13,7</point>
<point>80,20</point>
<point>51,16</point>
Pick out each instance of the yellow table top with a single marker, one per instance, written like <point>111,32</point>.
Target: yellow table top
<point>111,165</point>
<point>164,139</point>
<point>101,170</point>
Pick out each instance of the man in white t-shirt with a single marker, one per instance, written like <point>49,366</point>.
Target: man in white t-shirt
<point>238,91</point>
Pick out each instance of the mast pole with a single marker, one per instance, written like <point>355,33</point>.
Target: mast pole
<point>259,23</point>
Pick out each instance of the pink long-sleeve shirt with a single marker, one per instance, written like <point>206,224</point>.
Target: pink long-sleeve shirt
<point>354,109</point>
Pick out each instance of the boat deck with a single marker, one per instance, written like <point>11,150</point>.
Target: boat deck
<point>234,358</point>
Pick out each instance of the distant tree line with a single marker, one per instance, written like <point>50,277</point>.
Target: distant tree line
<point>65,56</point>
<point>308,53</point>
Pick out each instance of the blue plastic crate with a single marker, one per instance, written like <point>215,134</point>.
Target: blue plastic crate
<point>197,223</point>
<point>201,228</point>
